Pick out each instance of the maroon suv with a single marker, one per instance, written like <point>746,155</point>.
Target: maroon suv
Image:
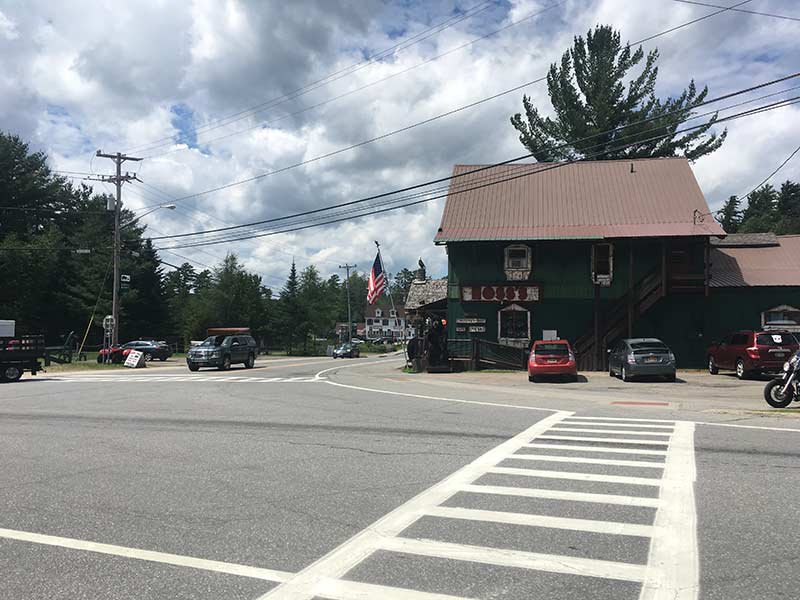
<point>752,352</point>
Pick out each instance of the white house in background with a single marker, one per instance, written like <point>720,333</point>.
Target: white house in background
<point>387,322</point>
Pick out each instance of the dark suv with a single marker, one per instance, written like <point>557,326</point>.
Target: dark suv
<point>751,352</point>
<point>222,351</point>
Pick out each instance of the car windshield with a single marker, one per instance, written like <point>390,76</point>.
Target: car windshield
<point>345,347</point>
<point>212,341</point>
<point>551,349</point>
<point>775,339</point>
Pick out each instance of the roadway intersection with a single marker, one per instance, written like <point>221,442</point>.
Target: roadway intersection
<point>305,478</point>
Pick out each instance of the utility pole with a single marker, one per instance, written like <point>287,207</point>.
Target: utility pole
<point>117,180</point>
<point>347,268</point>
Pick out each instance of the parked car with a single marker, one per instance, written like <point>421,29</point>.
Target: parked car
<point>356,341</point>
<point>552,357</point>
<point>633,357</point>
<point>222,351</point>
<point>347,350</point>
<point>751,352</point>
<point>150,348</point>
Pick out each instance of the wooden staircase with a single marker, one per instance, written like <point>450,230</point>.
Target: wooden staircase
<point>614,323</point>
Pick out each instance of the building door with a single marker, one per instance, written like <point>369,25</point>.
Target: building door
<point>514,326</point>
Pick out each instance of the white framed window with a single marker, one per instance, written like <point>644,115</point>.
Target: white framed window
<point>783,317</point>
<point>378,312</point>
<point>514,325</point>
<point>602,264</point>
<point>517,263</point>
<point>392,313</point>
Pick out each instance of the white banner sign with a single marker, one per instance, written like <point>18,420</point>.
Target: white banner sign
<point>134,359</point>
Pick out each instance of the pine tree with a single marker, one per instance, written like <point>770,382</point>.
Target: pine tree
<point>729,216</point>
<point>590,100</point>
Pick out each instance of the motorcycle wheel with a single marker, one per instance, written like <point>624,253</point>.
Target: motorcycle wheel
<point>773,396</point>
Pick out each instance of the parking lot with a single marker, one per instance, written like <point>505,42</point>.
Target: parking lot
<point>307,478</point>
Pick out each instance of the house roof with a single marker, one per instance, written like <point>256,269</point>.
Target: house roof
<point>581,200</point>
<point>426,292</point>
<point>746,240</point>
<point>777,265</point>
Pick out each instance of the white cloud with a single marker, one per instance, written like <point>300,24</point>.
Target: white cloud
<point>77,78</point>
<point>8,28</point>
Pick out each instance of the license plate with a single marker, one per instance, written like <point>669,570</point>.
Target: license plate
<point>780,354</point>
<point>651,359</point>
<point>552,360</point>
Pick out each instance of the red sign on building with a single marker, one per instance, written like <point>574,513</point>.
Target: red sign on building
<point>500,293</point>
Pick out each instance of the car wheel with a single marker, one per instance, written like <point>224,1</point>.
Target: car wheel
<point>740,372</point>
<point>712,366</point>
<point>10,374</point>
<point>250,362</point>
<point>193,367</point>
<point>610,371</point>
<point>226,364</point>
<point>671,378</point>
<point>531,378</point>
<point>148,357</point>
<point>574,378</point>
<point>624,374</point>
<point>163,358</point>
<point>99,359</point>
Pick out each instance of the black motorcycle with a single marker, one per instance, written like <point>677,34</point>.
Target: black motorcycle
<point>781,392</point>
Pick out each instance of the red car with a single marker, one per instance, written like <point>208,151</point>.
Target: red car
<point>752,352</point>
<point>552,357</point>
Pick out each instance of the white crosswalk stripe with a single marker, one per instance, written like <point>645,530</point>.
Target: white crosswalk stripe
<point>669,571</point>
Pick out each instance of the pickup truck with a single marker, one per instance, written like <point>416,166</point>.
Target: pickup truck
<point>19,354</point>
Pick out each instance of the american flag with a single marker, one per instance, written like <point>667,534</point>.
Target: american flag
<point>377,281</point>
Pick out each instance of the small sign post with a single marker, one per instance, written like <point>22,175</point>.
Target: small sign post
<point>135,359</point>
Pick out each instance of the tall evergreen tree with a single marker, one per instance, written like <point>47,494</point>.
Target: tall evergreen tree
<point>729,216</point>
<point>593,96</point>
<point>292,312</point>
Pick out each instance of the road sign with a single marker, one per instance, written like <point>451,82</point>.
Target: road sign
<point>134,360</point>
<point>125,278</point>
<point>108,322</point>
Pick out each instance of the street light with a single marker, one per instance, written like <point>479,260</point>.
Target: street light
<point>152,210</point>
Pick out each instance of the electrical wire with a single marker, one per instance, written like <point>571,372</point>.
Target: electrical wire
<point>262,175</point>
<point>759,110</point>
<point>335,76</point>
<point>741,10</point>
<point>444,179</point>
<point>771,175</point>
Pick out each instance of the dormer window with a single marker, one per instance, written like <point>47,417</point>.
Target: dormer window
<point>393,313</point>
<point>517,262</point>
<point>378,312</point>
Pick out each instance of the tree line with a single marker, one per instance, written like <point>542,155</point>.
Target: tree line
<point>766,210</point>
<point>56,250</point>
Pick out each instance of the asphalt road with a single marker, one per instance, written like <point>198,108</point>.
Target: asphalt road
<point>288,482</point>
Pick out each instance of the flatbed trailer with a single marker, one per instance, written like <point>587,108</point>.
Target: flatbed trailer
<point>19,354</point>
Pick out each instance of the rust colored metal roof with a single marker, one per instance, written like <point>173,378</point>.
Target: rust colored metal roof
<point>757,266</point>
<point>582,200</point>
<point>746,240</point>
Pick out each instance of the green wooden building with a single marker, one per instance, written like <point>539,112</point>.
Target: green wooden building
<point>595,251</point>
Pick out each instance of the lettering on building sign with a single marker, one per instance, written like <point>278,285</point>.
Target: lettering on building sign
<point>477,329</point>
<point>500,293</point>
<point>461,329</point>
<point>470,321</point>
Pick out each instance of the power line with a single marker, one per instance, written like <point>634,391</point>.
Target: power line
<point>771,175</point>
<point>376,82</point>
<point>335,76</point>
<point>262,175</point>
<point>444,179</point>
<point>758,110</point>
<point>741,10</point>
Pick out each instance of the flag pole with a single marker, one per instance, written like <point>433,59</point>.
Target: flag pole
<point>389,287</point>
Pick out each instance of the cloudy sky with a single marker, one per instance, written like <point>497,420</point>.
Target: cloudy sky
<point>208,91</point>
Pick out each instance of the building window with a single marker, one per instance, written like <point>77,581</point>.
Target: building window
<point>386,321</point>
<point>781,317</point>
<point>369,321</point>
<point>602,264</point>
<point>513,324</point>
<point>378,312</point>
<point>393,313</point>
<point>518,262</point>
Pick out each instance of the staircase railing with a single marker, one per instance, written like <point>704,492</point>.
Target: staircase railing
<point>615,320</point>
